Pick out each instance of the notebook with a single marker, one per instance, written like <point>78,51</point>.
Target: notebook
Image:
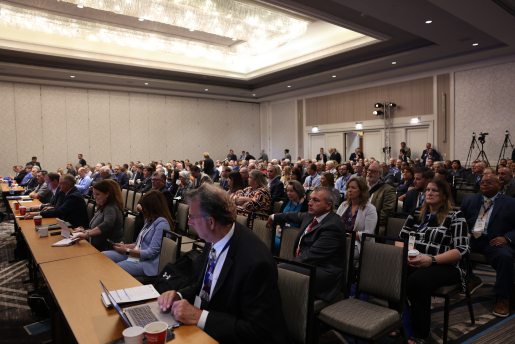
<point>69,238</point>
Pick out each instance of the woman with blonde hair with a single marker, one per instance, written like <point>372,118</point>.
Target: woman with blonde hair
<point>286,175</point>
<point>357,213</point>
<point>256,198</point>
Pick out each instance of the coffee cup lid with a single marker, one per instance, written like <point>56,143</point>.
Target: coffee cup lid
<point>413,252</point>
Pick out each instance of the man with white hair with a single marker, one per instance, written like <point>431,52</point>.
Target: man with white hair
<point>358,169</point>
<point>252,166</point>
<point>475,178</point>
<point>320,168</point>
<point>84,181</point>
<point>382,196</point>
<point>329,167</point>
<point>95,177</point>
<point>32,181</point>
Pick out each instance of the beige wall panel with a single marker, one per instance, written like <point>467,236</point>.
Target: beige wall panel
<point>174,128</point>
<point>77,124</point>
<point>29,135</point>
<point>158,139</point>
<point>300,127</point>
<point>413,98</point>
<point>100,142</point>
<point>138,110</point>
<point>444,120</point>
<point>190,128</point>
<point>283,117</point>
<point>122,140</point>
<point>210,131</point>
<point>55,142</point>
<point>265,130</point>
<point>253,135</point>
<point>8,153</point>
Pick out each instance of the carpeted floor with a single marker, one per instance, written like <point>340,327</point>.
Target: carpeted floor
<point>489,329</point>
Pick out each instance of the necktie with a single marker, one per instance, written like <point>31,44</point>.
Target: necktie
<point>422,199</point>
<point>198,181</point>
<point>206,289</point>
<point>310,181</point>
<point>313,224</point>
<point>482,215</point>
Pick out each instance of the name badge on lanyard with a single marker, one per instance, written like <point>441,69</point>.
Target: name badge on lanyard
<point>480,225</point>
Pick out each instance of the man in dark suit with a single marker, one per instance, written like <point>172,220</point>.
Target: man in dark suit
<point>199,177</point>
<point>320,242</point>
<point>224,181</point>
<point>245,176</point>
<point>475,178</point>
<point>121,178</point>
<point>274,183</point>
<point>356,155</point>
<point>322,156</point>
<point>232,156</point>
<point>429,152</point>
<point>52,182</point>
<point>21,173</point>
<point>235,297</point>
<point>34,162</point>
<point>491,219</point>
<point>82,162</point>
<point>337,156</point>
<point>416,197</point>
<point>249,157</point>
<point>31,180</point>
<point>209,166</point>
<point>506,178</point>
<point>146,182</point>
<point>73,208</point>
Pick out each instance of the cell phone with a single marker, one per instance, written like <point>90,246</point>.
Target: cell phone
<point>111,242</point>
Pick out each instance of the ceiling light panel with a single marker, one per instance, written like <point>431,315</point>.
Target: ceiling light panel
<point>260,29</point>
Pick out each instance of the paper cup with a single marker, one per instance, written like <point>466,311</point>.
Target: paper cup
<point>412,254</point>
<point>38,220</point>
<point>133,335</point>
<point>23,210</point>
<point>156,332</point>
<point>17,206</point>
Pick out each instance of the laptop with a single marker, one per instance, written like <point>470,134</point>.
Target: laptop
<point>142,315</point>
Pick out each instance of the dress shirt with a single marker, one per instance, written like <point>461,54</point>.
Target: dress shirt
<point>314,180</point>
<point>489,212</point>
<point>84,184</point>
<point>216,273</point>
<point>26,178</point>
<point>370,188</point>
<point>341,184</point>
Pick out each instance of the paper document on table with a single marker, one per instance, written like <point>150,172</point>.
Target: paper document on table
<point>25,201</point>
<point>142,293</point>
<point>65,242</point>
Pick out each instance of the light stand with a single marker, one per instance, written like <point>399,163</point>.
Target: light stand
<point>471,149</point>
<point>504,146</point>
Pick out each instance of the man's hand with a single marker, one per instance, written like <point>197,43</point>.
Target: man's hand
<point>139,209</point>
<point>270,222</point>
<point>499,241</point>
<point>184,312</point>
<point>34,207</point>
<point>30,215</point>
<point>166,299</point>
<point>47,208</point>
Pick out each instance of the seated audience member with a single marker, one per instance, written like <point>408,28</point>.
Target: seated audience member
<point>20,173</point>
<point>107,223</point>
<point>41,192</point>
<point>329,167</point>
<point>296,174</point>
<point>327,181</point>
<point>125,169</point>
<point>475,178</point>
<point>256,198</point>
<point>27,176</point>
<point>34,162</point>
<point>357,213</point>
<point>71,170</point>
<point>32,182</point>
<point>448,164</point>
<point>392,165</point>
<point>224,314</point>
<point>274,185</point>
<point>382,196</point>
<point>416,197</point>
<point>320,168</point>
<point>159,184</point>
<point>358,169</point>
<point>296,203</point>
<point>506,180</point>
<point>406,183</point>
<point>146,183</point>
<point>52,182</point>
<point>95,176</point>
<point>245,176</point>
<point>344,176</point>
<point>84,181</point>
<point>185,184</point>
<point>512,167</point>
<point>491,217</point>
<point>235,183</point>
<point>137,174</point>
<point>320,242</point>
<point>224,180</point>
<point>121,178</point>
<point>313,179</point>
<point>388,177</point>
<point>142,257</point>
<point>441,236</point>
<point>356,155</point>
<point>429,153</point>
<point>73,208</point>
<point>286,175</point>
<point>456,170</point>
<point>173,182</point>
<point>199,177</point>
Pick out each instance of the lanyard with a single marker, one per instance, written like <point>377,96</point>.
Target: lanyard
<point>506,188</point>
<point>295,209</point>
<point>485,211</point>
<point>350,213</point>
<point>424,223</point>
<point>211,268</point>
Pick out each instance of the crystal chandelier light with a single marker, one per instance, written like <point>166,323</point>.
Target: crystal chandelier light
<point>260,29</point>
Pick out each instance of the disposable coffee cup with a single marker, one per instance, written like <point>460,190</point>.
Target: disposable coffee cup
<point>17,205</point>
<point>23,210</point>
<point>38,220</point>
<point>156,332</point>
<point>413,254</point>
<point>133,335</point>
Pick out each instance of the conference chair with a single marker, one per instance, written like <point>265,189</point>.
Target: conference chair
<point>382,274</point>
<point>181,220</point>
<point>130,200</point>
<point>244,220</point>
<point>124,196</point>
<point>453,290</point>
<point>277,207</point>
<point>170,252</point>
<point>137,198</point>
<point>288,242</point>
<point>263,232</point>
<point>128,229</point>
<point>460,196</point>
<point>394,226</point>
<point>90,210</point>
<point>297,297</point>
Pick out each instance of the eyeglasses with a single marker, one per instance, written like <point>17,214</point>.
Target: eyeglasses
<point>487,183</point>
<point>372,171</point>
<point>197,217</point>
<point>155,180</point>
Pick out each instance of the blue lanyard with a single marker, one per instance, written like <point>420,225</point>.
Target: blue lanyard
<point>295,209</point>
<point>424,221</point>
<point>350,213</point>
<point>485,212</point>
<point>506,188</point>
<point>211,268</point>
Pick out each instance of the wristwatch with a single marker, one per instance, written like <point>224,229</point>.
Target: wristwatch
<point>434,261</point>
<point>128,251</point>
<point>87,235</point>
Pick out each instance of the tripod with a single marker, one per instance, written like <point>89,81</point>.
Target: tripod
<point>504,146</point>
<point>482,152</point>
<point>471,149</point>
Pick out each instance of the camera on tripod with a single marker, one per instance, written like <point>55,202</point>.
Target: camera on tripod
<point>482,137</point>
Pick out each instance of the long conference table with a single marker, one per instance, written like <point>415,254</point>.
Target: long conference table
<point>72,274</point>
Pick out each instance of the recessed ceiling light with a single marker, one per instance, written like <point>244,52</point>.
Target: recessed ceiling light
<point>207,89</point>
<point>72,76</point>
<point>429,21</point>
<point>192,29</point>
<point>141,19</point>
<point>475,44</point>
<point>288,86</point>
<point>253,95</point>
<point>334,76</point>
<point>80,6</point>
<point>234,39</point>
<point>146,83</point>
<point>394,62</point>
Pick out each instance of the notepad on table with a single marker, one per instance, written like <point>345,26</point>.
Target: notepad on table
<point>136,294</point>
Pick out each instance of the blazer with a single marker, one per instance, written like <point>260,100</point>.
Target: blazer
<point>511,190</point>
<point>56,200</point>
<point>501,220</point>
<point>169,198</point>
<point>72,172</point>
<point>122,179</point>
<point>356,157</point>
<point>45,194</point>
<point>410,201</point>
<point>151,246</point>
<point>323,247</point>
<point>31,163</point>
<point>471,179</point>
<point>366,220</point>
<point>402,189</point>
<point>245,306</point>
<point>435,155</point>
<point>303,207</point>
<point>263,156</point>
<point>19,177</point>
<point>276,188</point>
<point>232,157</point>
<point>204,178</point>
<point>249,157</point>
<point>323,157</point>
<point>145,184</point>
<point>209,166</point>
<point>110,223</point>
<point>337,158</point>
<point>82,162</point>
<point>32,184</point>
<point>384,199</point>
<point>73,209</point>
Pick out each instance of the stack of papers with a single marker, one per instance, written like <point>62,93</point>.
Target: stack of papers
<point>65,242</point>
<point>136,294</point>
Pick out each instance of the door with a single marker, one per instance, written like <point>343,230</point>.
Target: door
<point>317,142</point>
<point>372,145</point>
<point>351,142</point>
<point>416,140</point>
<point>334,140</point>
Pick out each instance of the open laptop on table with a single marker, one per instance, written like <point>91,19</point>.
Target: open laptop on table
<point>142,315</point>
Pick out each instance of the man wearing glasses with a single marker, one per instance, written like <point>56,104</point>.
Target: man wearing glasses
<point>382,196</point>
<point>121,178</point>
<point>341,183</point>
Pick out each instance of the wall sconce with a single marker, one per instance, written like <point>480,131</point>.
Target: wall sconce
<point>415,120</point>
<point>314,129</point>
<point>359,125</point>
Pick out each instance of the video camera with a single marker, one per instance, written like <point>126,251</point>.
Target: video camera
<point>482,137</point>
